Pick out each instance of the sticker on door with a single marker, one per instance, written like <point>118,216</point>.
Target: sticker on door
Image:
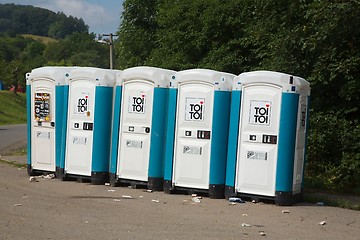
<point>260,112</point>
<point>137,104</point>
<point>192,150</point>
<point>194,109</point>
<point>42,106</point>
<point>81,105</point>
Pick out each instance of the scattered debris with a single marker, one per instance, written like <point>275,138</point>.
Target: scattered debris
<point>141,196</point>
<point>320,204</point>
<point>245,225</point>
<point>286,211</point>
<point>254,201</point>
<point>111,190</point>
<point>25,197</point>
<point>194,195</point>
<point>33,179</point>
<point>49,176</point>
<point>244,215</point>
<point>117,200</point>
<point>17,205</point>
<point>149,190</point>
<point>258,225</point>
<point>262,233</point>
<point>126,196</point>
<point>107,184</point>
<point>196,200</point>
<point>322,223</point>
<point>232,203</point>
<point>155,200</point>
<point>236,200</point>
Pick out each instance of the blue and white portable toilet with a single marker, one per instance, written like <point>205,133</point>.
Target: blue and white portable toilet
<point>45,88</point>
<point>138,138</point>
<point>267,136</point>
<point>196,143</point>
<point>88,124</point>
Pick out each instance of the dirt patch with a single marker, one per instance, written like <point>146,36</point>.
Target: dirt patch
<point>52,209</point>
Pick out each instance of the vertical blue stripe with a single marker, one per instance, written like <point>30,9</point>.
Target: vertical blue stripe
<point>170,134</point>
<point>233,138</point>
<point>115,129</point>
<point>65,126</point>
<point>157,147</point>
<point>286,142</point>
<point>102,129</point>
<point>219,137</point>
<point>29,120</point>
<point>59,124</point>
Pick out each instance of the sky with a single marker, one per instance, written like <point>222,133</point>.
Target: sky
<point>102,16</point>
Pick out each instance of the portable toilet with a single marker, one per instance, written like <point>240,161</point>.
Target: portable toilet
<point>267,139</point>
<point>196,141</point>
<point>45,88</point>
<point>88,125</point>
<point>140,114</point>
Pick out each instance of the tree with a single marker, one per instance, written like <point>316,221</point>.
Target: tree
<point>137,32</point>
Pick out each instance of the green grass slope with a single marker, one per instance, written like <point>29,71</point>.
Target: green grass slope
<point>12,108</point>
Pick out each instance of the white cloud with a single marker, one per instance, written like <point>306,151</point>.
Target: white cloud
<point>91,13</point>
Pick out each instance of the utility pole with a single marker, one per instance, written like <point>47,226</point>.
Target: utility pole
<point>110,42</point>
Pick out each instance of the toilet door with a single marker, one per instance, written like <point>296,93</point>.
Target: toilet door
<point>80,123</point>
<point>135,130</point>
<point>43,125</point>
<point>191,166</point>
<point>258,139</point>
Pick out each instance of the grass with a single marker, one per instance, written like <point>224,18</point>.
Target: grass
<point>42,39</point>
<point>12,108</point>
<point>18,152</point>
<point>342,201</point>
<point>13,163</point>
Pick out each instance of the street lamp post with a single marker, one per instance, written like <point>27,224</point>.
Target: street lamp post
<point>110,43</point>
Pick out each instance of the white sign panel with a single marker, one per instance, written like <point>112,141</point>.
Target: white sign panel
<point>194,109</point>
<point>82,104</point>
<point>260,112</point>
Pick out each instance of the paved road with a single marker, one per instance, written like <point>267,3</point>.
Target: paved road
<point>12,137</point>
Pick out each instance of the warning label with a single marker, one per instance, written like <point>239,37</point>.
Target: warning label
<point>134,144</point>
<point>40,134</point>
<point>192,150</point>
<point>260,112</point>
<point>137,104</point>
<point>80,140</point>
<point>256,155</point>
<point>303,117</point>
<point>42,107</point>
<point>194,109</point>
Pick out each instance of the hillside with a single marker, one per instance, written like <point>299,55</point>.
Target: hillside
<point>44,40</point>
<point>12,108</point>
<point>20,19</point>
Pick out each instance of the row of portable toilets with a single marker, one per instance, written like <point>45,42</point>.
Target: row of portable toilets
<point>196,130</point>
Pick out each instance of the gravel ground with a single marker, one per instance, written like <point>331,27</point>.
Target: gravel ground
<point>52,209</point>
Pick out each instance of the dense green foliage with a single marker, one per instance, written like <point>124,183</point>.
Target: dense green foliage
<point>38,21</point>
<point>315,39</point>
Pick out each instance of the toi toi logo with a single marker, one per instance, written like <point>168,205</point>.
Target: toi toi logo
<point>82,105</point>
<point>260,112</point>
<point>196,111</point>
<point>138,104</point>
